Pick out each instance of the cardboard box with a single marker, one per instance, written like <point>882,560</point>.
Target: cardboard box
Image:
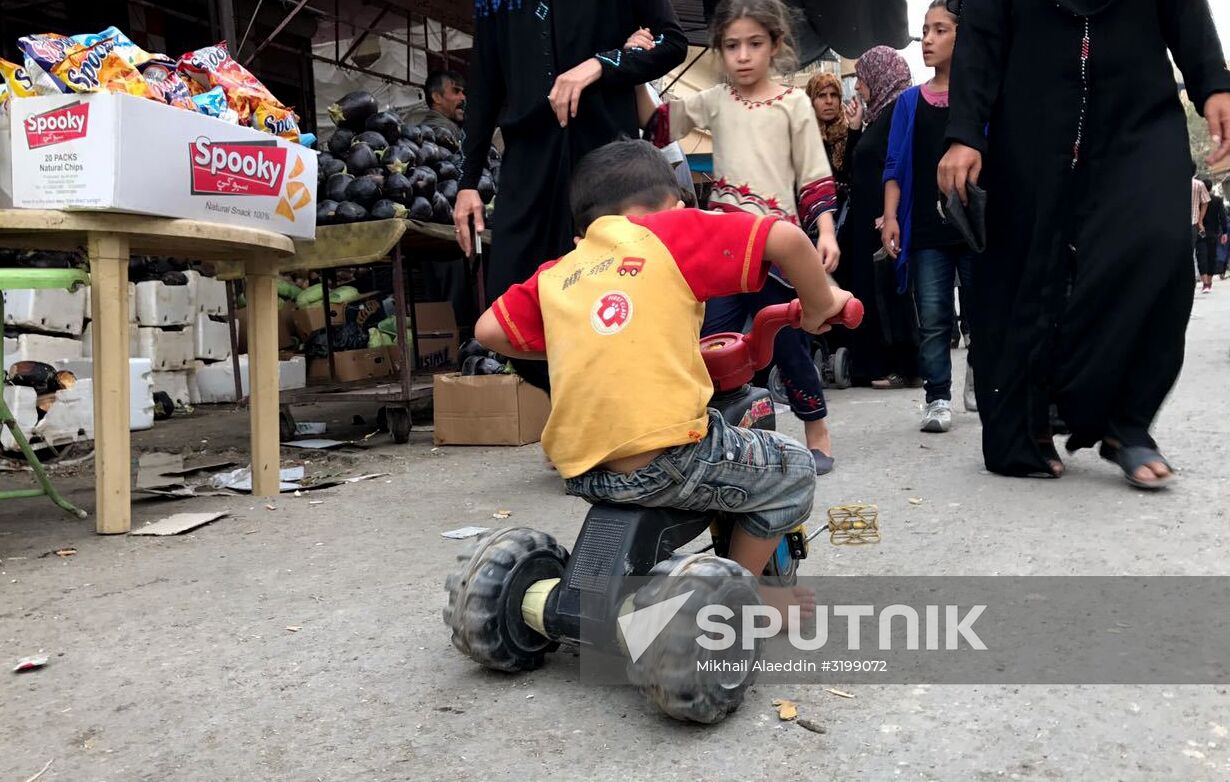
<point>488,410</point>
<point>129,154</point>
<point>308,320</point>
<point>438,341</point>
<point>351,365</point>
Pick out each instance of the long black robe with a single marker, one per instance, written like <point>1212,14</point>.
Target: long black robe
<point>885,342</point>
<point>1084,292</point>
<point>520,47</point>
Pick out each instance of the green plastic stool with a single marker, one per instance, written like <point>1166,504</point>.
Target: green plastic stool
<point>22,279</point>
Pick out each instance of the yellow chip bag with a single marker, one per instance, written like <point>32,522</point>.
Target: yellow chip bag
<point>276,120</point>
<point>84,71</point>
<point>17,80</point>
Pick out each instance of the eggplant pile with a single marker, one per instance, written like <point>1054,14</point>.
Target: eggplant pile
<point>376,167</point>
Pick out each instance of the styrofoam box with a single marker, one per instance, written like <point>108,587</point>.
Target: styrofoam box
<point>52,310</point>
<point>132,303</point>
<point>40,347</point>
<point>167,350</point>
<point>87,340</point>
<point>213,384</point>
<point>164,305</point>
<point>140,388</point>
<point>175,385</point>
<point>211,339</point>
<point>22,402</point>
<point>131,154</point>
<point>71,417</point>
<point>208,294</point>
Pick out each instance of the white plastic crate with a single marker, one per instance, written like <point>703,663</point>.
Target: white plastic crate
<point>175,385</point>
<point>167,350</point>
<point>71,417</point>
<point>212,340</point>
<point>52,310</point>
<point>40,347</point>
<point>208,294</point>
<point>132,303</point>
<point>87,340</point>
<point>23,403</point>
<point>164,305</point>
<point>140,388</point>
<point>213,384</point>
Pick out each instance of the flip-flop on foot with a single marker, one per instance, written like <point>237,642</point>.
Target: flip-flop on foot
<point>824,462</point>
<point>1131,458</point>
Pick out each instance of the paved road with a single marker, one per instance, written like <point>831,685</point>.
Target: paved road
<point>171,658</point>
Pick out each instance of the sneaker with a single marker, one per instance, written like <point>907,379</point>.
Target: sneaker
<point>1207,289</point>
<point>938,417</point>
<point>970,398</point>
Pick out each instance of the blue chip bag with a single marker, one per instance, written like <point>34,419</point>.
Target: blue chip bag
<point>213,103</point>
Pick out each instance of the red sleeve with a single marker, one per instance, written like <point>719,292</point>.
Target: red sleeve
<point>520,314</point>
<point>719,253</point>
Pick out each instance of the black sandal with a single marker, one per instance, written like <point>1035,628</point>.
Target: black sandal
<point>1131,458</point>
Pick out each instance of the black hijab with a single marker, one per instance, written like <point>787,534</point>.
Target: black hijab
<point>1085,7</point>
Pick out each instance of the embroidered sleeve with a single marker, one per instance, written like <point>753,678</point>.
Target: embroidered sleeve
<point>813,176</point>
<point>519,313</point>
<point>629,67</point>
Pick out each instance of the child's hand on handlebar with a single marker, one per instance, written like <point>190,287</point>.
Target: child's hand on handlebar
<point>818,322</point>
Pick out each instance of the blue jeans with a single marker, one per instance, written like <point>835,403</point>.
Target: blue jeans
<point>765,480</point>
<point>934,273</point>
<point>792,351</point>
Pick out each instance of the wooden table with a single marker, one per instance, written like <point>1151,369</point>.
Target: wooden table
<point>109,239</point>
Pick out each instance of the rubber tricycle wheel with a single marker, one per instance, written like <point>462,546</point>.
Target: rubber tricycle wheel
<point>669,671</point>
<point>399,423</point>
<point>484,598</point>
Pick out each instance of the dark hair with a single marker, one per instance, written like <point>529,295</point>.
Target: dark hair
<point>617,177</point>
<point>773,15</point>
<point>1208,184</point>
<point>435,83</point>
<point>953,7</point>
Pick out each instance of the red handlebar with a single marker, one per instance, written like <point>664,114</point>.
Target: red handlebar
<point>771,320</point>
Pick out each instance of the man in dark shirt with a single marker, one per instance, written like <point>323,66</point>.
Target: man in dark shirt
<point>446,102</point>
<point>554,76</point>
<point>1211,239</point>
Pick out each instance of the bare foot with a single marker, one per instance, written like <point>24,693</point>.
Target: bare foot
<point>782,598</point>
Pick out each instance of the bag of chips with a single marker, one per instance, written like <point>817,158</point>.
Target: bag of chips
<point>165,84</point>
<point>99,68</point>
<point>46,53</point>
<point>276,120</point>
<point>213,103</point>
<point>16,80</point>
<point>41,54</point>
<point>213,66</point>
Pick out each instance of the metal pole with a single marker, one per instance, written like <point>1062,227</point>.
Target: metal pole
<point>281,26</point>
<point>233,327</point>
<point>399,306</point>
<point>226,20</point>
<point>324,289</point>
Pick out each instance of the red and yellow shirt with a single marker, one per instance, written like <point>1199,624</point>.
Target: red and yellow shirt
<point>619,318</point>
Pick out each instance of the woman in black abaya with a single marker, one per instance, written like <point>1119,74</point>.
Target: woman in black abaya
<point>1084,292</point>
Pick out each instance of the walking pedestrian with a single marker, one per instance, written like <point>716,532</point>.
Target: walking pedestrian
<point>884,350</point>
<point>1212,238</point>
<point>930,253</point>
<point>769,159</point>
<point>1088,297</point>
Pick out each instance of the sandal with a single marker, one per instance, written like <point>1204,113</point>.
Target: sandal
<point>889,382</point>
<point>824,462</point>
<point>1053,462</point>
<point>1131,458</point>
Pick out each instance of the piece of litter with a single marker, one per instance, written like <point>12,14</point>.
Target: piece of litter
<point>42,771</point>
<point>461,533</point>
<point>179,523</point>
<point>316,502</point>
<point>531,695</point>
<point>838,693</point>
<point>30,663</point>
<point>294,628</point>
<point>309,427</point>
<point>66,552</point>
<point>916,501</point>
<point>786,710</point>
<point>298,493</point>
<point>317,444</point>
<point>501,514</point>
<point>814,727</point>
<point>250,532</point>
<point>271,507</point>
<point>241,479</point>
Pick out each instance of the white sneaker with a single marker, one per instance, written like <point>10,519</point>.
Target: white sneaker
<point>971,399</point>
<point>938,417</point>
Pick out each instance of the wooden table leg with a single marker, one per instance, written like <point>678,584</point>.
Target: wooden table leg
<point>262,293</point>
<point>113,454</point>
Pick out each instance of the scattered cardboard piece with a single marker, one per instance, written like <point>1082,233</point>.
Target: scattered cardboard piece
<point>321,444</point>
<point>178,523</point>
<point>461,533</point>
<point>786,710</point>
